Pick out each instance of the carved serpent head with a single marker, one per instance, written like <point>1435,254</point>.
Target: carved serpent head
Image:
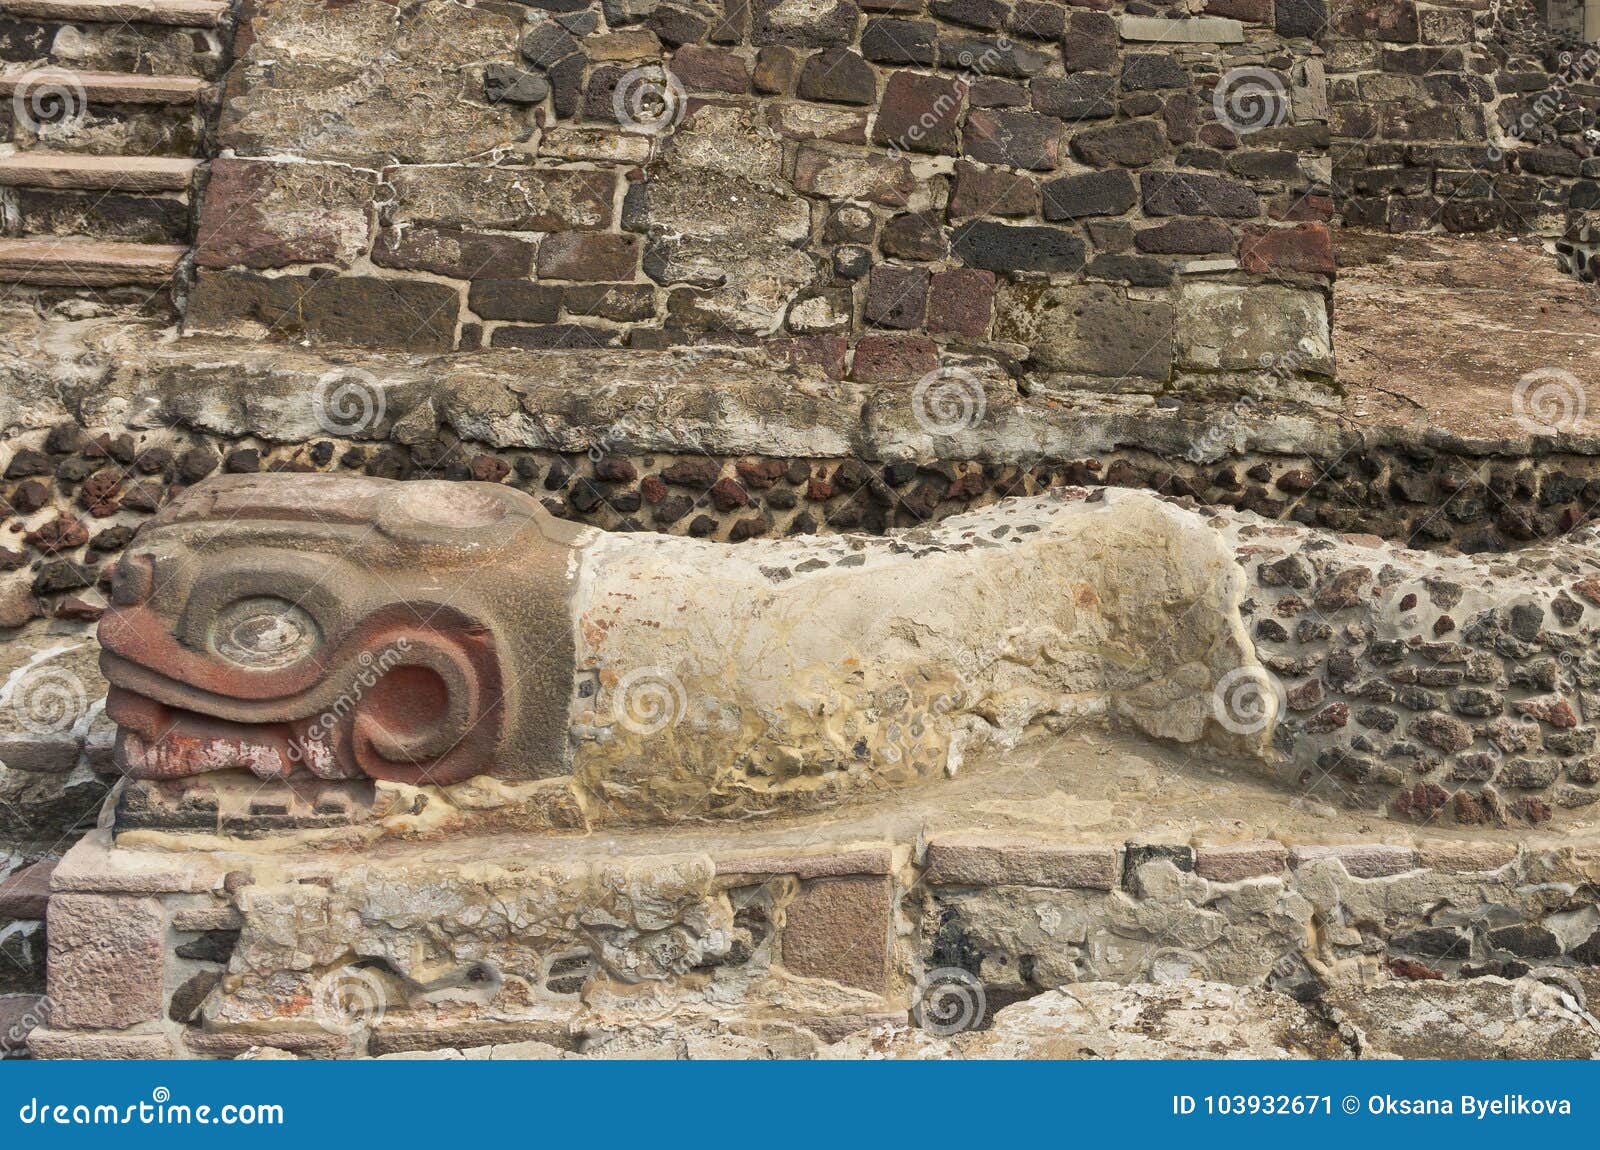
<point>343,627</point>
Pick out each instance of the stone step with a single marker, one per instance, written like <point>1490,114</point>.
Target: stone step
<point>182,13</point>
<point>144,49</point>
<point>86,263</point>
<point>66,170</point>
<point>119,217</point>
<point>106,87</point>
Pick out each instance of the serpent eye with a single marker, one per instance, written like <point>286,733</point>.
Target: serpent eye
<point>264,633</point>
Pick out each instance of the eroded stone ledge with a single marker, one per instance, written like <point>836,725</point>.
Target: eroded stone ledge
<point>830,940</point>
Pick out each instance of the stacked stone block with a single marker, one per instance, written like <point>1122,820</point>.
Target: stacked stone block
<point>1461,116</point>
<point>1445,690</point>
<point>70,500</point>
<point>878,191</point>
<point>830,940</point>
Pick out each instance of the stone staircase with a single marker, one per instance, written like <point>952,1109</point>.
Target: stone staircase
<point>105,107</point>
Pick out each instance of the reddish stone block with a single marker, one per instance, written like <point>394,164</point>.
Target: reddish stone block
<point>1302,248</point>
<point>106,960</point>
<point>858,174</point>
<point>1012,138</point>
<point>25,894</point>
<point>702,69</point>
<point>777,68</point>
<point>1308,207</point>
<point>961,302</point>
<point>595,256</point>
<point>249,215</point>
<point>1361,860</point>
<point>728,495</point>
<point>982,192</point>
<point>826,352</point>
<point>919,114</point>
<point>838,929</point>
<point>897,296</point>
<point>453,253</point>
<point>893,358</point>
<point>994,860</point>
<point>1238,861</point>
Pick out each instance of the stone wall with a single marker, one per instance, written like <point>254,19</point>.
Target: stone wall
<point>321,957</point>
<point>877,191</point>
<point>1462,116</point>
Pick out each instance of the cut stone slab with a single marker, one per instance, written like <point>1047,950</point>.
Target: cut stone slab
<point>66,1044</point>
<point>1230,327</point>
<point>838,929</point>
<point>1373,860</point>
<point>1198,30</point>
<point>1238,861</point>
<point>967,860</point>
<point>87,263</point>
<point>40,169</point>
<point>178,13</point>
<point>864,861</point>
<point>106,960</point>
<point>112,87</point>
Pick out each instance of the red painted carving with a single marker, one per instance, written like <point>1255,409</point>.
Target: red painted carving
<point>343,628</point>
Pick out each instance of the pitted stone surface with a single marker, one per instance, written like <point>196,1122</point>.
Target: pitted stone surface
<point>107,960</point>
